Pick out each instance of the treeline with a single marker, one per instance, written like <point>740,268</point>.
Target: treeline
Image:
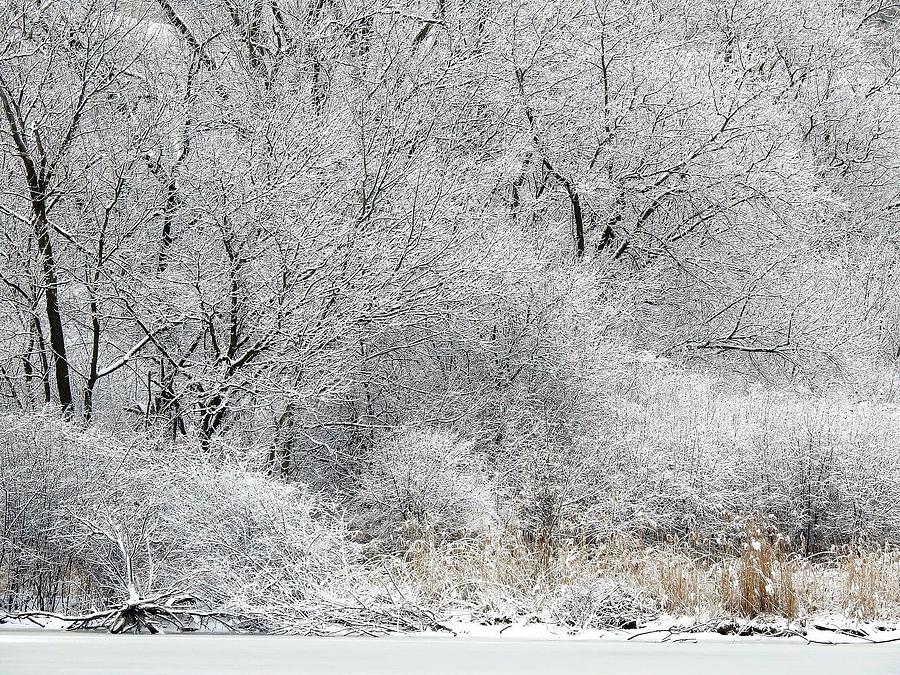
<point>463,271</point>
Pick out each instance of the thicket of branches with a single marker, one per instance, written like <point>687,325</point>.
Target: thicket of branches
<point>295,293</point>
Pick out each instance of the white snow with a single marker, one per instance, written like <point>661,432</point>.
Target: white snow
<point>81,654</point>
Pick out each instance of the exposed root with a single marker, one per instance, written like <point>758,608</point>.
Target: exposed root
<point>168,611</point>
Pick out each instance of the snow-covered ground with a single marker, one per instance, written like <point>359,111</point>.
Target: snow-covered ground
<point>37,653</point>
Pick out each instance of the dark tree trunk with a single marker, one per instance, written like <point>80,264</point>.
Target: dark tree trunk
<point>318,83</point>
<point>54,316</point>
<point>45,365</point>
<point>37,179</point>
<point>172,203</point>
<point>579,223</point>
<point>95,358</point>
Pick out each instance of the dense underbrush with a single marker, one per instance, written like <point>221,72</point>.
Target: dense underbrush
<point>92,520</point>
<point>695,503</point>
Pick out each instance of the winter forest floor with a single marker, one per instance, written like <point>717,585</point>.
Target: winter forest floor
<point>83,653</point>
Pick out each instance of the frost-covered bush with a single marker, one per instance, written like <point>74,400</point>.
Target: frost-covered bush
<point>53,478</point>
<point>559,483</point>
<point>691,454</point>
<point>115,520</point>
<point>267,552</point>
<point>602,603</point>
<point>424,480</point>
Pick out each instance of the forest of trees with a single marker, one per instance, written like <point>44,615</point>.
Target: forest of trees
<point>322,315</point>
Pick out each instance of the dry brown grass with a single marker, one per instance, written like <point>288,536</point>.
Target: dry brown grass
<point>681,585</point>
<point>494,574</point>
<point>872,582</point>
<point>754,576</point>
<point>761,581</point>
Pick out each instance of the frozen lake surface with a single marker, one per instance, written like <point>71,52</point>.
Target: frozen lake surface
<point>95,654</point>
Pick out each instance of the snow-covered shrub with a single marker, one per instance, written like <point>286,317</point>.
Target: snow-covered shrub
<point>423,480</point>
<point>118,521</point>
<point>38,482</point>
<point>559,485</point>
<point>602,603</point>
<point>267,552</point>
<point>689,454</point>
